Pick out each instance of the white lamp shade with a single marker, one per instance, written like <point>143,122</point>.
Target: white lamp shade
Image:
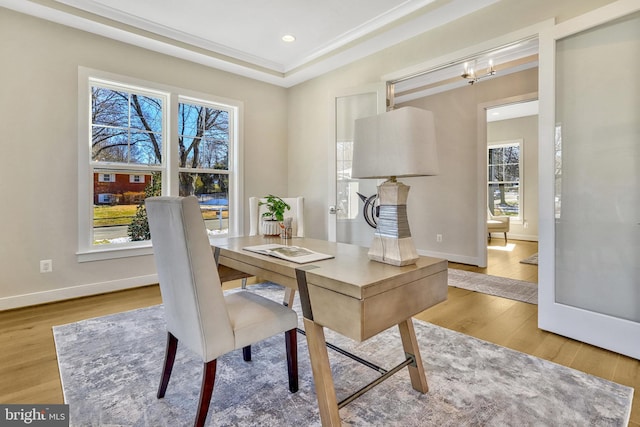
<point>398,143</point>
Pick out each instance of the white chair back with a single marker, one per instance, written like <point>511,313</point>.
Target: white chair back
<point>195,308</point>
<point>296,212</point>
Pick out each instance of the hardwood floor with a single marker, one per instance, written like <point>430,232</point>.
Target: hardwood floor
<point>29,369</point>
<point>504,260</point>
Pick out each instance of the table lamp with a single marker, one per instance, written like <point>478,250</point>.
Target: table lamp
<point>397,143</point>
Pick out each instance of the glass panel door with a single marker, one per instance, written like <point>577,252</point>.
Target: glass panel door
<point>597,182</point>
<point>349,224</point>
<point>589,287</point>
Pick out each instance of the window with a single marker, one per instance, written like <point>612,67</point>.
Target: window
<point>347,187</point>
<point>144,139</point>
<point>504,178</point>
<point>203,144</point>
<point>558,171</point>
<point>106,198</point>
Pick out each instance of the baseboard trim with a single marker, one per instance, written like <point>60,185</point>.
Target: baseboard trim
<point>513,236</point>
<point>35,298</point>
<point>461,259</point>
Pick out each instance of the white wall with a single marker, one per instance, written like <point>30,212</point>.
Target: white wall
<point>449,201</point>
<point>38,150</point>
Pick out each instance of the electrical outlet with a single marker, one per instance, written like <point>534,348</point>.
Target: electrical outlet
<point>46,266</point>
<point>526,224</point>
<point>439,238</point>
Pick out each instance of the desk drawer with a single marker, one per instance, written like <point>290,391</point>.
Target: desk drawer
<point>361,319</point>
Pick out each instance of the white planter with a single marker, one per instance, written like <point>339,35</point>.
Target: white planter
<point>271,227</point>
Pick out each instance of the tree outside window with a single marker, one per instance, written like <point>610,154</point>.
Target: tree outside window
<point>129,138</point>
<point>504,179</point>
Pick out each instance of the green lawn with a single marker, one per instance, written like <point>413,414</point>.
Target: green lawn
<point>104,216</point>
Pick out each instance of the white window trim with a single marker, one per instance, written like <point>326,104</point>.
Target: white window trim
<point>497,144</point>
<point>101,175</point>
<point>89,252</point>
<point>132,178</point>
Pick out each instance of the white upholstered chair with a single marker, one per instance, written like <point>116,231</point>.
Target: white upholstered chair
<point>197,312</point>
<point>296,212</point>
<point>497,224</point>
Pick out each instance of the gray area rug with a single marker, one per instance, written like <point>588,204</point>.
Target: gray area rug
<point>110,369</point>
<point>533,259</point>
<point>518,290</point>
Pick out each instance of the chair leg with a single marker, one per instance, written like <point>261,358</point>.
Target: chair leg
<point>291,341</point>
<point>169,358</point>
<point>208,378</point>
<point>505,237</point>
<point>244,283</point>
<point>246,353</point>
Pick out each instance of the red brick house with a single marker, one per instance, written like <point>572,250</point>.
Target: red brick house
<point>111,188</point>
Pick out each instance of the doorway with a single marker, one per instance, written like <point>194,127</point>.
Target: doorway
<point>512,187</point>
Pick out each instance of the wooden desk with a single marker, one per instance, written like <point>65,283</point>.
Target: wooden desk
<point>351,295</point>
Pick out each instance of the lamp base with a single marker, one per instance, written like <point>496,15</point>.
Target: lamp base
<point>392,242</point>
<point>390,250</point>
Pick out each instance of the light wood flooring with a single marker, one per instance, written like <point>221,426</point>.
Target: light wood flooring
<point>29,369</point>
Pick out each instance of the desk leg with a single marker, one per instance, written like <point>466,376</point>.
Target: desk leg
<point>327,402</point>
<point>410,345</point>
<point>289,295</point>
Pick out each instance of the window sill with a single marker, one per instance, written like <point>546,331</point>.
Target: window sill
<point>114,252</point>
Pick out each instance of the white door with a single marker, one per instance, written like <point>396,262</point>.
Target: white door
<point>589,272</point>
<point>346,222</point>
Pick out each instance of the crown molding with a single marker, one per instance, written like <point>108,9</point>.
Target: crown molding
<point>329,57</point>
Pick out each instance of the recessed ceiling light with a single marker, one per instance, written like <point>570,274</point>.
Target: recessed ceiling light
<point>288,38</point>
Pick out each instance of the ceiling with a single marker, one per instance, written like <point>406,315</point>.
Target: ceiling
<point>245,36</point>
<point>512,111</point>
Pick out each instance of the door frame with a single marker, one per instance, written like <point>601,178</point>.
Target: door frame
<point>594,328</point>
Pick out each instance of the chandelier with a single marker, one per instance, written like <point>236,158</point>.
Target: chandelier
<point>470,74</point>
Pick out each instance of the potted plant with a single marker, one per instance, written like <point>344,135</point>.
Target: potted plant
<point>273,218</point>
